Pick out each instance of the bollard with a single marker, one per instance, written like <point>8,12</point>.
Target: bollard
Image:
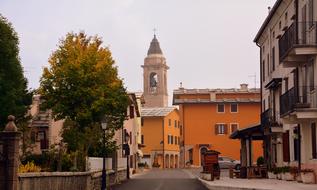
<point>231,172</point>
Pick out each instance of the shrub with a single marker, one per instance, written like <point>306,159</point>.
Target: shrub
<point>29,167</point>
<point>260,161</point>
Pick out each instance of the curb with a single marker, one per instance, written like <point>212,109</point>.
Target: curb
<point>217,187</point>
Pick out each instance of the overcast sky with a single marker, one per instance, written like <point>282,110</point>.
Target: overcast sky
<point>207,43</point>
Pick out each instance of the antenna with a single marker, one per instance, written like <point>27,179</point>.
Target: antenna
<point>154,30</point>
<point>254,76</point>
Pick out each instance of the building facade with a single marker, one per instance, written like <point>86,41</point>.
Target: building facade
<point>161,136</point>
<point>44,130</point>
<point>288,52</point>
<point>130,134</point>
<point>209,116</point>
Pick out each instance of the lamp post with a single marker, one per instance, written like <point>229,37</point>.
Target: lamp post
<point>127,152</point>
<point>104,127</point>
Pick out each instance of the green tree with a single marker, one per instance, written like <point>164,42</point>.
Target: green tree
<point>82,85</point>
<point>14,96</point>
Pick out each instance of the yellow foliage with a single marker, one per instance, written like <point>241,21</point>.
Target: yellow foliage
<point>29,167</point>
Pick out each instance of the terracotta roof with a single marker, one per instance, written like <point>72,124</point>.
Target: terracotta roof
<point>156,111</point>
<point>154,47</point>
<point>217,90</point>
<point>234,100</point>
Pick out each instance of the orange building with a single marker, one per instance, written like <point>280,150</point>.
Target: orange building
<point>209,116</point>
<point>161,136</point>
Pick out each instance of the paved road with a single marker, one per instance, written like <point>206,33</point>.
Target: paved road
<point>168,179</point>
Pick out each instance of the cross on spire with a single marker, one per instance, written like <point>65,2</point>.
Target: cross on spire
<point>154,30</point>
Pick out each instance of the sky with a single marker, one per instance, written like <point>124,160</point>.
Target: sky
<point>207,43</point>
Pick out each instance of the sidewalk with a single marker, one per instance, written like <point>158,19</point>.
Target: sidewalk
<point>226,183</point>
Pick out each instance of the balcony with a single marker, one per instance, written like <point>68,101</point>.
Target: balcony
<point>268,120</point>
<point>297,43</point>
<point>299,103</point>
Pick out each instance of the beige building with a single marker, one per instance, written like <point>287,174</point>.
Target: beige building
<point>288,52</point>
<point>132,129</point>
<point>45,131</point>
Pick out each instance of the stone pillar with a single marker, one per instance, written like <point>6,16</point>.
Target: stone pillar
<point>10,138</point>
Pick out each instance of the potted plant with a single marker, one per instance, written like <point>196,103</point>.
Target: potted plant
<point>260,161</point>
<point>141,166</point>
<point>271,173</point>
<point>279,173</point>
<point>307,176</point>
<point>286,174</point>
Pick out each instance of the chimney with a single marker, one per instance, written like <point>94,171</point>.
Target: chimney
<point>243,87</point>
<point>269,9</point>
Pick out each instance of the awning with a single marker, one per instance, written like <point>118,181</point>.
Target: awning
<point>139,153</point>
<point>253,131</point>
<point>274,83</point>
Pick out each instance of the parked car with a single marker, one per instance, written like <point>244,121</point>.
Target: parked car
<point>227,162</point>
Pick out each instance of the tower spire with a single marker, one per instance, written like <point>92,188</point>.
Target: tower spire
<point>154,46</point>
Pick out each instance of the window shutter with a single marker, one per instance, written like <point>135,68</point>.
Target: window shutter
<point>216,129</point>
<point>286,153</point>
<point>225,129</point>
<point>234,127</point>
<point>131,112</point>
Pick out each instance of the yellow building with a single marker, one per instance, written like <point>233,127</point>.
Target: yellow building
<point>161,136</point>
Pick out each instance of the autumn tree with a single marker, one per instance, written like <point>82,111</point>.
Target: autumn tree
<point>14,95</point>
<point>82,85</point>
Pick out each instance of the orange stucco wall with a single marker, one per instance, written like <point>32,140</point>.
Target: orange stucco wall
<point>152,131</point>
<point>199,122</point>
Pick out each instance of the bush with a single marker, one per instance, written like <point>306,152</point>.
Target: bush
<point>260,161</point>
<point>29,167</point>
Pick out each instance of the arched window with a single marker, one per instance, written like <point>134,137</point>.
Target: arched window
<point>153,82</point>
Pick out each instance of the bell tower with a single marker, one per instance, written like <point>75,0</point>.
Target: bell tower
<point>155,77</point>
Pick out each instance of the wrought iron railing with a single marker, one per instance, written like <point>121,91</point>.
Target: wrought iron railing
<point>298,97</point>
<point>297,34</point>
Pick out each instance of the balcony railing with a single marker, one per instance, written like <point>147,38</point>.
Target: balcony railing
<point>298,34</point>
<point>298,97</point>
<point>269,118</point>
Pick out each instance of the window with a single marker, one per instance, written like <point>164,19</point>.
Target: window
<point>234,127</point>
<point>175,140</point>
<point>263,70</point>
<point>280,25</point>
<point>178,140</point>
<point>268,63</point>
<point>221,129</point>
<point>142,139</point>
<point>130,138</point>
<point>175,124</point>
<point>168,139</point>
<point>178,124</point>
<point>220,108</point>
<point>285,17</point>
<point>181,130</point>
<point>311,13</point>
<point>153,82</point>
<point>234,108</point>
<point>169,122</point>
<point>285,84</point>
<point>172,139</point>
<point>314,141</point>
<point>273,58</point>
<point>131,112</point>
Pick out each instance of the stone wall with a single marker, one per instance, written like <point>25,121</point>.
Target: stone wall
<point>67,180</point>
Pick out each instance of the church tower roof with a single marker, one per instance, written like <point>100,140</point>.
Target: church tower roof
<point>154,47</point>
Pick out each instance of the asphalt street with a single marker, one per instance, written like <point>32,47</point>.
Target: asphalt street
<point>168,179</point>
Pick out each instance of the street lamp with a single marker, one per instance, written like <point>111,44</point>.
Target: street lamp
<point>104,127</point>
<point>126,149</point>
